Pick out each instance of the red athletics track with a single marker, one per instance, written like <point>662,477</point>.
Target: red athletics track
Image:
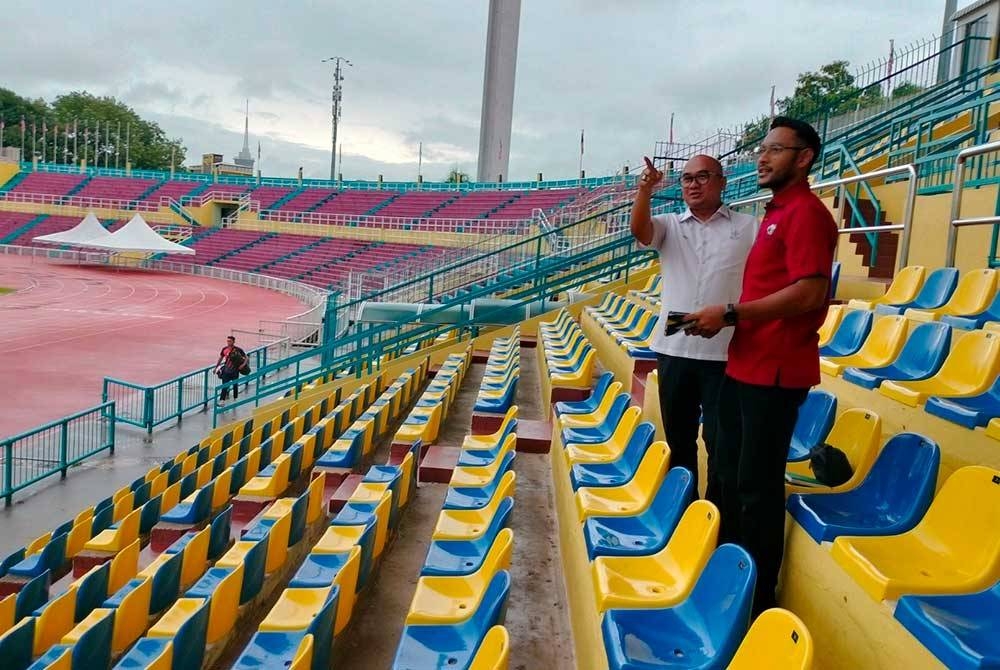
<point>66,327</point>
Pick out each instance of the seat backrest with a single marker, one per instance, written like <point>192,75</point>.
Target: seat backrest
<point>637,445</point>
<point>925,349</point>
<point>494,650</point>
<point>626,425</point>
<point>905,285</point>
<point>777,639</point>
<point>857,432</point>
<point>833,316</point>
<point>886,338</point>
<point>965,516</point>
<point>672,499</point>
<point>850,333</point>
<point>903,477</point>
<point>649,474</point>
<point>973,359</point>
<point>492,604</point>
<point>815,418</point>
<point>723,595</point>
<point>974,292</point>
<point>937,289</point>
<point>834,278</point>
<point>695,537</point>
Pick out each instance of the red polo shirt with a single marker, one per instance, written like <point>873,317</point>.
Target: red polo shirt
<point>796,240</point>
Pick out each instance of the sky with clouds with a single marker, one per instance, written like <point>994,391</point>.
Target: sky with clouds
<point>616,68</point>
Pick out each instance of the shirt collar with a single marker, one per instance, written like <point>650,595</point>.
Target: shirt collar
<point>723,211</point>
<point>793,191</point>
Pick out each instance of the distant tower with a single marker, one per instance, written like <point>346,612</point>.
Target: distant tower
<point>245,158</point>
<point>498,89</point>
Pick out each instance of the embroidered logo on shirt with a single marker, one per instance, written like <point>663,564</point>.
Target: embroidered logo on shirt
<point>771,228</point>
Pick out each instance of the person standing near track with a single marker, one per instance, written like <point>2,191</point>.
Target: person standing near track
<point>231,359</point>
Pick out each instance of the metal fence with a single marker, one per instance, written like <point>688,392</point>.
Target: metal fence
<point>52,449</point>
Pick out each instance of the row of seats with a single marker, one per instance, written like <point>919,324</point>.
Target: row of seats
<point>319,601</point>
<point>630,325</point>
<point>566,357</point>
<point>424,421</point>
<point>456,615</point>
<point>665,594</point>
<point>503,369</point>
<point>650,291</point>
<point>914,363</point>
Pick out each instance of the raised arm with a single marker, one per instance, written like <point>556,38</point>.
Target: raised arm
<point>641,222</point>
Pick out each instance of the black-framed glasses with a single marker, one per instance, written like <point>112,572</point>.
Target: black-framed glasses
<point>701,178</point>
<point>771,149</point>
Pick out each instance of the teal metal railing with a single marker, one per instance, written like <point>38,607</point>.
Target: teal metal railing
<point>54,448</point>
<point>150,406</point>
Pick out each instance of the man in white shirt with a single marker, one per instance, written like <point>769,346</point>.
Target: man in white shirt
<point>702,255</point>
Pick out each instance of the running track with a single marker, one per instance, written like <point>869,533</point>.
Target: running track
<point>66,327</point>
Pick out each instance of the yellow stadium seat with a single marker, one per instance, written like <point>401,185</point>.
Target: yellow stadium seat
<point>881,347</point>
<point>113,540</point>
<point>220,491</point>
<point>583,375</point>
<point>493,439</point>
<point>777,640</point>
<point>833,316</point>
<point>314,509</point>
<point>993,429</point>
<point>666,577</point>
<point>175,617</point>
<point>612,449</point>
<point>194,560</point>
<point>55,621</point>
<point>595,418</point>
<point>904,288</point>
<point>494,651</point>
<point>124,567</point>
<point>856,432</point>
<point>339,539</point>
<point>295,609</point>
<point>347,580</point>
<point>954,549</point>
<point>629,498</point>
<point>8,608</point>
<point>270,486</point>
<point>303,655</point>
<point>277,543</point>
<point>970,369</point>
<point>132,614</point>
<point>465,524</point>
<point>225,605</point>
<point>439,600</point>
<point>477,476</point>
<point>973,295</point>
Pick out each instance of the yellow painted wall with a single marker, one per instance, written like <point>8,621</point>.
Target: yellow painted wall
<point>8,170</point>
<point>162,216</point>
<point>249,222</point>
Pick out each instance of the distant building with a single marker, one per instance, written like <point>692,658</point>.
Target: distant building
<point>242,164</point>
<point>244,158</point>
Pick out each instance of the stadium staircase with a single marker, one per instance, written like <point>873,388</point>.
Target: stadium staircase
<point>21,230</point>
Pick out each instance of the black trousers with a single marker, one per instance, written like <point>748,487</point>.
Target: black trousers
<point>230,379</point>
<point>689,390</point>
<point>755,431</point>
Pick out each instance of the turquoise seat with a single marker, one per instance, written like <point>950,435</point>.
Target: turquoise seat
<point>463,497</point>
<point>617,472</point>
<point>922,356</point>
<point>936,291</point>
<point>603,431</point>
<point>703,631</point>
<point>463,557</point>
<point>813,424</point>
<point>850,334</point>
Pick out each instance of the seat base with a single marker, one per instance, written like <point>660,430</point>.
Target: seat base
<point>344,492</point>
<point>165,534</point>
<point>534,437</point>
<point>89,558</point>
<point>438,464</point>
<point>484,423</point>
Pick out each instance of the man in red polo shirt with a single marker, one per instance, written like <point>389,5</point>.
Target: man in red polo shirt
<point>774,352</point>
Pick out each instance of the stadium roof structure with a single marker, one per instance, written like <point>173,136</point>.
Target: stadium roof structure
<point>88,230</point>
<point>136,235</point>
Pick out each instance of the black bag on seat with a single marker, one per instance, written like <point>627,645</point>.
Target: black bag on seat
<point>830,465</point>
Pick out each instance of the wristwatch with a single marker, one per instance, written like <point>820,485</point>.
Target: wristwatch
<point>729,317</point>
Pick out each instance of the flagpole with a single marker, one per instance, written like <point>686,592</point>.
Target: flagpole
<point>34,139</point>
<point>128,143</point>
<point>55,142</point>
<point>581,154</point>
<point>76,134</point>
<point>23,126</point>
<point>420,159</point>
<point>2,126</point>
<point>118,141</point>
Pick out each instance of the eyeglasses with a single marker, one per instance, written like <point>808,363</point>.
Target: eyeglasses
<point>771,149</point>
<point>701,177</point>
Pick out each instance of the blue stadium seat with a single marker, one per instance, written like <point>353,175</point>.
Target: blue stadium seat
<point>645,533</point>
<point>601,432</point>
<point>891,500</point>
<point>587,405</point>
<point>815,420</point>
<point>16,645</point>
<point>703,631</point>
<point>961,630</point>
<point>936,291</point>
<point>476,498</point>
<point>850,334</point>
<point>619,471</point>
<point>463,557</point>
<point>453,646</point>
<point>969,412</point>
<point>922,356</point>
<point>51,558</point>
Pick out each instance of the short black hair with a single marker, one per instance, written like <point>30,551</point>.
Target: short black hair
<point>805,132</point>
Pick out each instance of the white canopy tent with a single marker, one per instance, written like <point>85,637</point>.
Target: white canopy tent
<point>82,234</point>
<point>136,235</point>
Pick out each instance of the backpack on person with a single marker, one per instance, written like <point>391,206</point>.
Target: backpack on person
<point>240,361</point>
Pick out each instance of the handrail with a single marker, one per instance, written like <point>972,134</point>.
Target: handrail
<point>905,226</point>
<point>955,220</point>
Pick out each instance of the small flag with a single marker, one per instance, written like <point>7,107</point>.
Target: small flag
<point>581,142</point>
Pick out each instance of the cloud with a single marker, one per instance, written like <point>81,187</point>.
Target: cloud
<point>616,69</point>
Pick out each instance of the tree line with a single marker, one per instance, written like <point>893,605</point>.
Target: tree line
<point>81,125</point>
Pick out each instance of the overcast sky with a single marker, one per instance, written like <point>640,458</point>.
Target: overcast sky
<point>616,68</point>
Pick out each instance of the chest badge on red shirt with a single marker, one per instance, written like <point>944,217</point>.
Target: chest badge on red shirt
<point>772,228</point>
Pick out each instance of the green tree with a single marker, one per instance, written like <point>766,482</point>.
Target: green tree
<point>12,109</point>
<point>905,89</point>
<point>149,147</point>
<point>456,177</point>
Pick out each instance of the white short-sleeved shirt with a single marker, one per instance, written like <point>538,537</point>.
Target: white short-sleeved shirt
<point>701,264</point>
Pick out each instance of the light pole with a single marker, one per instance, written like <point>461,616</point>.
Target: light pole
<point>335,110</point>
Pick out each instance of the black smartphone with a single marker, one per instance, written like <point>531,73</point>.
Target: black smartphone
<point>676,321</point>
